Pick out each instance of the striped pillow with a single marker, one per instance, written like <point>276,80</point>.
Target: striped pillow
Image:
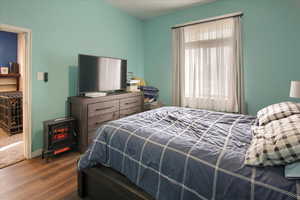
<point>277,111</point>
<point>277,143</point>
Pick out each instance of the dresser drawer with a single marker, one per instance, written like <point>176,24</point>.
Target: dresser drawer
<point>130,102</point>
<point>96,121</point>
<point>102,108</point>
<point>130,111</point>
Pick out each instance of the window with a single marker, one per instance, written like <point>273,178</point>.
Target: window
<point>209,61</point>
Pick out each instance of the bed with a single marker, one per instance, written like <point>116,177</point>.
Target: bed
<point>175,153</point>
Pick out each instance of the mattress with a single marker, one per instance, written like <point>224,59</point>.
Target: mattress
<point>176,153</point>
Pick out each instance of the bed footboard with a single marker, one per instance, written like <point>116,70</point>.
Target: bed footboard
<point>104,183</point>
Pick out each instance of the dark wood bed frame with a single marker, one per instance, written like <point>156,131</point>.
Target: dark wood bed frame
<point>103,183</point>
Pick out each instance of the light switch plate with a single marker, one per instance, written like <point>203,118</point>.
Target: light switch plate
<point>40,76</point>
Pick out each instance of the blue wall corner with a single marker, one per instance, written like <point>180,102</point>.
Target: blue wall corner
<point>8,48</point>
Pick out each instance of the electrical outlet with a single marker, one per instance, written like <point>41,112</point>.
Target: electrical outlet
<point>40,76</point>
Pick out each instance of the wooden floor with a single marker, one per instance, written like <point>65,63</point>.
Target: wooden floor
<point>11,148</point>
<point>36,180</point>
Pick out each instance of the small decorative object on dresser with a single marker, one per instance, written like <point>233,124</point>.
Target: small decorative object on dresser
<point>91,113</point>
<point>59,136</point>
<point>15,68</point>
<point>4,70</point>
<point>133,86</point>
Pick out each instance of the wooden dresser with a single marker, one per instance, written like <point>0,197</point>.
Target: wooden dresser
<point>91,113</point>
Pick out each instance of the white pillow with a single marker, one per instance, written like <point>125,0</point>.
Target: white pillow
<point>277,111</point>
<point>277,143</point>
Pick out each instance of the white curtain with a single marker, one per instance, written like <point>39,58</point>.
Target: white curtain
<point>178,66</point>
<point>207,66</point>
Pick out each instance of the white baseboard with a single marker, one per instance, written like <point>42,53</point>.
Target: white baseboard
<point>36,153</point>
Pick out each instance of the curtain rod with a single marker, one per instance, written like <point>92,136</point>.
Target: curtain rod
<point>239,14</point>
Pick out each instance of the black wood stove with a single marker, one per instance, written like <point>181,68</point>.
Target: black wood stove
<point>59,136</point>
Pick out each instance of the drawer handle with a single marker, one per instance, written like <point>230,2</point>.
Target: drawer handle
<point>106,108</point>
<point>131,102</point>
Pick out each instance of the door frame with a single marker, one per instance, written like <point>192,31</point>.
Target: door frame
<point>27,89</point>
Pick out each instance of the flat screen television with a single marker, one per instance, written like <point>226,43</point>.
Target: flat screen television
<point>101,74</point>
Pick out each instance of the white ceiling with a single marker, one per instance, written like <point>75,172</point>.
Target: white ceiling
<point>145,9</point>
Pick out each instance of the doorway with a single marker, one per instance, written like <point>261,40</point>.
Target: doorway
<point>15,99</point>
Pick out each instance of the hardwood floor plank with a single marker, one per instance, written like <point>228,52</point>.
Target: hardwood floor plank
<point>37,180</point>
<point>28,175</point>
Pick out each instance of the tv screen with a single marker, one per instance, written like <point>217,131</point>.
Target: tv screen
<point>101,74</point>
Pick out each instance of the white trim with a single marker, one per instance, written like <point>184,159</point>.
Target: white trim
<point>208,19</point>
<point>27,94</point>
<point>14,29</point>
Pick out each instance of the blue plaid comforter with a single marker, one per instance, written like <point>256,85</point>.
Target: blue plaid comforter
<point>185,154</point>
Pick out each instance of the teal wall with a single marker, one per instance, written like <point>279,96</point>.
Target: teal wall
<point>271,47</point>
<point>64,28</point>
<point>61,30</point>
